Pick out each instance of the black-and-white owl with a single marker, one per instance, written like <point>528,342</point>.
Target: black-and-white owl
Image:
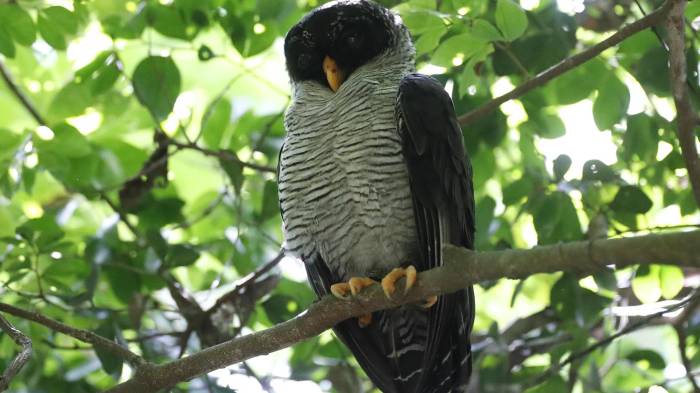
<point>373,179</point>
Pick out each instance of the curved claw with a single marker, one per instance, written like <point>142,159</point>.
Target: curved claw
<point>340,290</point>
<point>358,283</point>
<point>389,281</point>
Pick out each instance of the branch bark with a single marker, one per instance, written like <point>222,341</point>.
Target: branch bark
<point>26,102</point>
<point>569,63</point>
<point>686,119</point>
<point>80,334</point>
<point>22,357</point>
<point>462,268</point>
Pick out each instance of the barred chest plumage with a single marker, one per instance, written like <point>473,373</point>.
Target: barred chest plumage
<point>343,182</point>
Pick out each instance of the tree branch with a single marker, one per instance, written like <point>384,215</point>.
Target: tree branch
<point>685,116</point>
<point>569,63</point>
<point>22,357</point>
<point>688,301</point>
<point>80,334</point>
<point>222,155</point>
<point>462,268</point>
<point>20,95</point>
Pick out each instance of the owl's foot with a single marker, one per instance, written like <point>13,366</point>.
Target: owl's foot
<point>389,281</point>
<point>354,286</point>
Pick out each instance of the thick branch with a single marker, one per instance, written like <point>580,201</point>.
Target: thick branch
<point>569,63</point>
<point>462,268</point>
<point>685,117</point>
<point>80,334</point>
<point>22,357</point>
<point>20,95</point>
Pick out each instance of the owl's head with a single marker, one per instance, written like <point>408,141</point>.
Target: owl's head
<point>333,40</point>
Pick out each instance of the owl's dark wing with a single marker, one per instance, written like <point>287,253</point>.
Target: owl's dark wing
<point>443,202</point>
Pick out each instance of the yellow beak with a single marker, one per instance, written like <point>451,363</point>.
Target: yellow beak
<point>334,75</point>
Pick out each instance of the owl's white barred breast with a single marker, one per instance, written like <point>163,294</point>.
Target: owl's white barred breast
<point>343,181</point>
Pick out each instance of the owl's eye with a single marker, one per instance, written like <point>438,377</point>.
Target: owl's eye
<point>304,60</point>
<point>353,41</point>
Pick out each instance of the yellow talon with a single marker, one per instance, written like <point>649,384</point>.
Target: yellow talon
<point>354,286</point>
<point>364,320</point>
<point>359,283</point>
<point>389,281</point>
<point>340,290</point>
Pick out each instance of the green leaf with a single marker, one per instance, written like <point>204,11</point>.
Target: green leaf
<point>71,100</point>
<point>647,359</point>
<point>123,282</point>
<point>596,170</point>
<point>646,284</point>
<point>671,280</point>
<point>554,384</point>
<point>234,171</point>
<point>7,47</point>
<point>181,255</point>
<point>484,30</point>
<point>51,32</point>
<point>66,141</point>
<point>611,103</point>
<point>510,19</point>
<point>641,138</point>
<point>270,201</point>
<point>105,77</point>
<point>111,363</point>
<point>215,121</point>
<point>18,23</point>
<point>157,84</point>
<point>167,20</point>
<point>514,192</point>
<point>420,21</point>
<point>430,39</point>
<point>572,302</point>
<point>62,18</point>
<point>579,83</point>
<point>461,46</point>
<point>556,220</point>
<point>561,166</point>
<point>9,142</point>
<point>7,223</point>
<point>280,308</point>
<point>631,199</point>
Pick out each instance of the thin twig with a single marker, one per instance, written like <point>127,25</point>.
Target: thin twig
<point>22,357</point>
<point>26,103</point>
<point>568,64</point>
<point>518,64</point>
<point>685,116</point>
<point>245,281</point>
<point>79,334</point>
<point>643,322</point>
<point>223,155</point>
<point>679,326</point>
<point>683,350</point>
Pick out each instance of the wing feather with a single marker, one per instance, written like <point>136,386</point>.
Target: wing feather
<point>441,184</point>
